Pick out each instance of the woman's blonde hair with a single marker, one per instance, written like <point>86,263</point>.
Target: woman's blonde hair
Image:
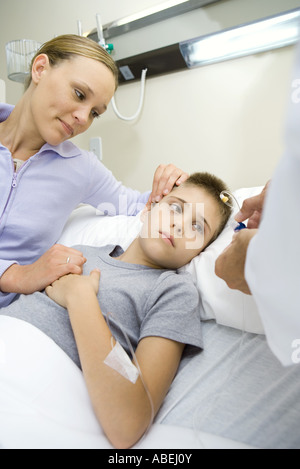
<point>68,45</point>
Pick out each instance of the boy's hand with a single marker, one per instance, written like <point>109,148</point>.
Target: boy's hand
<point>67,288</point>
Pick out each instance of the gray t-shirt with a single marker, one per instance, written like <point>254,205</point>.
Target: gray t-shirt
<point>142,301</point>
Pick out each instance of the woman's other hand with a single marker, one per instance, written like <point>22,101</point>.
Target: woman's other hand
<point>55,263</point>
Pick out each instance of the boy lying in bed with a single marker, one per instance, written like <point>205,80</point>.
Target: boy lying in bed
<point>151,301</point>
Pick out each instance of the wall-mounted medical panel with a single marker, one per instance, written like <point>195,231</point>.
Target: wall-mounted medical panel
<point>260,35</point>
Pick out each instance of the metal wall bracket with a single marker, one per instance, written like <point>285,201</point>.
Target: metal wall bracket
<point>126,25</point>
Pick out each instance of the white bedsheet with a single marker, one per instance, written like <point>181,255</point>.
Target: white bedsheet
<point>44,402</point>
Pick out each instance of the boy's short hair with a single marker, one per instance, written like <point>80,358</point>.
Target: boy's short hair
<point>213,186</point>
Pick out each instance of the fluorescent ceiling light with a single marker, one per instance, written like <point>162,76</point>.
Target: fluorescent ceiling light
<point>150,11</point>
<point>270,33</point>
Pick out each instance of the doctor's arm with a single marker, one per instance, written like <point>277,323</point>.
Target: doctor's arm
<point>122,408</point>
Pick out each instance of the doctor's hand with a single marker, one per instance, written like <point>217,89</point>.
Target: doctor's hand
<point>165,178</point>
<point>252,208</point>
<point>230,266</point>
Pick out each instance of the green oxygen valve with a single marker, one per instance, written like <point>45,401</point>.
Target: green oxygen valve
<point>109,48</point>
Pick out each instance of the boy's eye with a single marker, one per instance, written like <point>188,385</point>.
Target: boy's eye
<point>197,227</point>
<point>176,208</point>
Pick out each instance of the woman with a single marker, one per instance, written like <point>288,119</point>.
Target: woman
<point>43,177</point>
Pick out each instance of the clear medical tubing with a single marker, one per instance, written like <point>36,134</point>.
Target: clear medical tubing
<point>142,95</point>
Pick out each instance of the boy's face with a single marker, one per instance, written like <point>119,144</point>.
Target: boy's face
<point>180,227</point>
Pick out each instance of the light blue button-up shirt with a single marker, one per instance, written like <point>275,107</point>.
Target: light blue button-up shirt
<point>36,201</point>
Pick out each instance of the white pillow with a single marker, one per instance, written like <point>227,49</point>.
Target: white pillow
<point>87,226</point>
<point>228,307</point>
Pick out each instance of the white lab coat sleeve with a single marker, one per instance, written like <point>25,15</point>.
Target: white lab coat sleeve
<point>273,259</point>
<point>273,263</point>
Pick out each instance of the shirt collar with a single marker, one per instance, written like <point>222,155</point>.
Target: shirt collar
<point>5,110</point>
<point>65,149</point>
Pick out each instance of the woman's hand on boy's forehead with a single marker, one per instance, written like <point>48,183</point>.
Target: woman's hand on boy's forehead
<point>165,178</point>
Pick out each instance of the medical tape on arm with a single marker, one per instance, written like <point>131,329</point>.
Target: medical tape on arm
<point>119,361</point>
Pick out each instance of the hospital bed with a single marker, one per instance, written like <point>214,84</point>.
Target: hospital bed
<point>234,394</point>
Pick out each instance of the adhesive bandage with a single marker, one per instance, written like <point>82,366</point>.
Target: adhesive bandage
<point>119,361</point>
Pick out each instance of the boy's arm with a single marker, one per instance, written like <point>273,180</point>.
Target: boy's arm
<point>122,408</point>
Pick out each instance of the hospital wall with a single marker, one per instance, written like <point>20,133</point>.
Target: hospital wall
<point>225,118</point>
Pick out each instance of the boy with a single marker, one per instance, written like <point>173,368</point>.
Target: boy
<point>156,306</point>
